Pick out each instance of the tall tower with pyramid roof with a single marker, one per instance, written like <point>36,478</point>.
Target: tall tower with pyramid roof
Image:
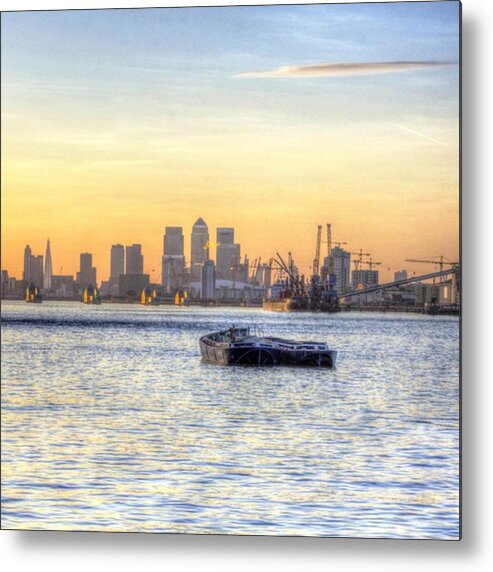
<point>199,246</point>
<point>48,273</point>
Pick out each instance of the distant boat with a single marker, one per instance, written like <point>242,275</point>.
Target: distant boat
<point>91,295</point>
<point>149,297</point>
<point>33,295</point>
<point>181,298</point>
<point>238,346</point>
<point>281,298</point>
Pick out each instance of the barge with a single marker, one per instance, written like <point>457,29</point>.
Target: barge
<point>239,346</point>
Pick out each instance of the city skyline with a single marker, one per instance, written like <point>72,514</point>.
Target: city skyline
<point>110,149</point>
<point>345,259</point>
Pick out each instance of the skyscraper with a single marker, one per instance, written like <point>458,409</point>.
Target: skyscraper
<point>225,235</point>
<point>117,262</point>
<point>134,263</point>
<point>199,247</point>
<point>364,278</point>
<point>26,274</point>
<point>37,270</point>
<point>173,243</point>
<point>48,274</point>
<point>400,275</point>
<point>87,272</point>
<point>342,268</point>
<point>33,267</point>
<point>173,261</point>
<point>117,269</point>
<point>5,283</point>
<point>228,253</point>
<point>208,289</point>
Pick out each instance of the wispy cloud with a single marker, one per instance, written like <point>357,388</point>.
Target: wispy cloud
<point>345,69</point>
<point>414,132</point>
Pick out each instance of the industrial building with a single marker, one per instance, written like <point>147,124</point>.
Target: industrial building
<point>364,278</point>
<point>208,282</point>
<point>341,268</point>
<point>400,275</point>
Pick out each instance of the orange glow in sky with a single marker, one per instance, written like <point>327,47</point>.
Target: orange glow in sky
<point>104,150</point>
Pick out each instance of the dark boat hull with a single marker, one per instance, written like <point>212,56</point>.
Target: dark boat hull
<point>330,308</point>
<point>290,305</point>
<point>294,305</point>
<point>325,358</point>
<point>266,355</point>
<point>240,356</point>
<point>275,306</point>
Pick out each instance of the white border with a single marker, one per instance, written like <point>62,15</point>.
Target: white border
<point>39,551</point>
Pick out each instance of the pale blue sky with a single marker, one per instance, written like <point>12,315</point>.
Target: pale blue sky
<point>174,58</point>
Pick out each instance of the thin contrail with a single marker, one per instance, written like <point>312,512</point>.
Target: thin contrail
<point>418,133</point>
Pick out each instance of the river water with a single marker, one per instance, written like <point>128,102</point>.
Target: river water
<point>110,421</point>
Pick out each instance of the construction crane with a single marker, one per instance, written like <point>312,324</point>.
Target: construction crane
<point>360,254</point>
<point>329,248</point>
<point>259,270</point>
<point>329,239</point>
<point>268,269</point>
<point>438,263</point>
<point>244,267</point>
<point>283,266</point>
<point>254,267</point>
<point>370,263</point>
<point>256,270</point>
<point>316,260</point>
<point>330,242</point>
<point>291,263</point>
<point>296,282</point>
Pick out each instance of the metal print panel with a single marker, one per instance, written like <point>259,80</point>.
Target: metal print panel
<point>230,270</point>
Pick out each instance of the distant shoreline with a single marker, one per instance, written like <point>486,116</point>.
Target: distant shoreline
<point>441,311</point>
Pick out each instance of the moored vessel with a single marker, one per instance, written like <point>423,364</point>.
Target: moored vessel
<point>282,297</point>
<point>293,294</point>
<point>241,346</point>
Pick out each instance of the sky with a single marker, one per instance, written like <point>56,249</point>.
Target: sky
<point>270,119</point>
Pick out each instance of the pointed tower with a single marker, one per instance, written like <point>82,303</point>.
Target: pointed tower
<point>48,273</point>
<point>199,247</point>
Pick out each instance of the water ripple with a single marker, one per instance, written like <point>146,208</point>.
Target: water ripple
<point>110,421</point>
